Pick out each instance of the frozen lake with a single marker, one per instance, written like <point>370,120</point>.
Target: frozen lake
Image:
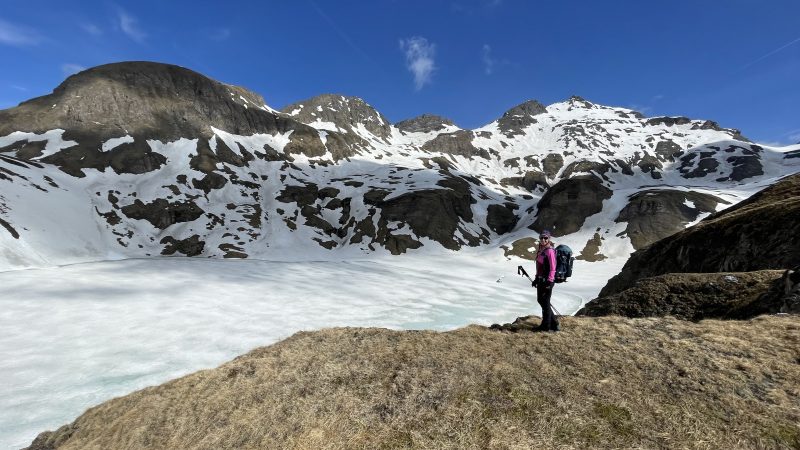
<point>75,336</point>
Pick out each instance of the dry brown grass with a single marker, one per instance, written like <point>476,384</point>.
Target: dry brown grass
<point>603,383</point>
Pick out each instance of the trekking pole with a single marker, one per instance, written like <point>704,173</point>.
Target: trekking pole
<point>521,271</point>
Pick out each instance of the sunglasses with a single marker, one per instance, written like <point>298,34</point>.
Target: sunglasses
<point>544,238</point>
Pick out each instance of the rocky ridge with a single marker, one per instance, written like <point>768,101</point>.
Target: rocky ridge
<point>176,163</point>
<point>756,234</point>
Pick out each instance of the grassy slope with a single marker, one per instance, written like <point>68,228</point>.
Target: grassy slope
<point>604,382</point>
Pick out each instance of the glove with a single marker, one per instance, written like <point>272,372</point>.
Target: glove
<point>549,284</point>
<point>535,282</point>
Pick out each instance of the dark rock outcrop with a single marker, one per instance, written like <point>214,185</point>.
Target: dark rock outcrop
<point>456,143</point>
<point>655,214</point>
<point>516,119</point>
<point>758,233</point>
<point>425,123</point>
<point>191,246</point>
<point>532,181</point>
<point>565,206</point>
<point>693,296</point>
<point>345,112</point>
<point>551,164</point>
<point>431,213</point>
<point>161,213</point>
<point>501,218</point>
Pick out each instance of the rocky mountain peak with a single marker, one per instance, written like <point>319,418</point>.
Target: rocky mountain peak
<point>141,98</point>
<point>425,123</point>
<point>519,117</point>
<point>343,111</point>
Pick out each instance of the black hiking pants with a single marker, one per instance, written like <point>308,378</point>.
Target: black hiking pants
<point>549,321</point>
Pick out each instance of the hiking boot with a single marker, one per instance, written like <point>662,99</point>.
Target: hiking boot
<point>556,327</point>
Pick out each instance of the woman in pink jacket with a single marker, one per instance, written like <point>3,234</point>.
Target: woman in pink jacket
<point>544,281</point>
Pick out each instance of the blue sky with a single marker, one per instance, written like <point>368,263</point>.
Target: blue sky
<point>733,61</point>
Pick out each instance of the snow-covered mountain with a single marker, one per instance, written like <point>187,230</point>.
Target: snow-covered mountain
<point>141,159</point>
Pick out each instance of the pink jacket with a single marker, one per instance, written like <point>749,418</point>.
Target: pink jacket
<point>550,254</point>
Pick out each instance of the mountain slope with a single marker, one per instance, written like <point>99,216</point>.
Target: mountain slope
<point>758,233</point>
<point>158,159</point>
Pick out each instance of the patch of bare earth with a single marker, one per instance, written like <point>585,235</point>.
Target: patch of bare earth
<point>606,382</point>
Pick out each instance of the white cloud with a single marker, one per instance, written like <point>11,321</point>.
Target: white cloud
<point>92,29</point>
<point>419,59</point>
<point>129,26</point>
<point>71,69</point>
<point>18,36</point>
<point>19,88</point>
<point>488,61</point>
<point>658,97</point>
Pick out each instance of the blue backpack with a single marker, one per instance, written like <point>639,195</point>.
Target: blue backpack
<point>564,261</point>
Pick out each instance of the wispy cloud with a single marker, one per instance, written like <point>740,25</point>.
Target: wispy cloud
<point>751,63</point>
<point>338,30</point>
<point>488,61</point>
<point>420,56</point>
<point>70,69</point>
<point>644,109</point>
<point>129,25</point>
<point>92,29</point>
<point>19,88</point>
<point>220,34</point>
<point>793,136</point>
<point>658,97</point>
<point>18,36</point>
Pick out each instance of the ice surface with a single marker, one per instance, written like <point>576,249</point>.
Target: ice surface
<point>75,336</point>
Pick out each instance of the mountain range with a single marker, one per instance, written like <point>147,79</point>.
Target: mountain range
<point>139,159</point>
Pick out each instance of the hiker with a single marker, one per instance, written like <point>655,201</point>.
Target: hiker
<point>545,280</point>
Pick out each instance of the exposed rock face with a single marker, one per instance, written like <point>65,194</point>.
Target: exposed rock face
<point>162,213</point>
<point>791,291</point>
<point>456,143</point>
<point>532,181</point>
<point>425,123</point>
<point>758,233</point>
<point>551,164</point>
<point>519,117</point>
<point>431,213</point>
<point>591,252</point>
<point>669,121</point>
<point>501,218</point>
<point>143,100</point>
<point>565,206</point>
<point>692,296</point>
<point>191,246</point>
<point>655,214</point>
<point>345,112</point>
